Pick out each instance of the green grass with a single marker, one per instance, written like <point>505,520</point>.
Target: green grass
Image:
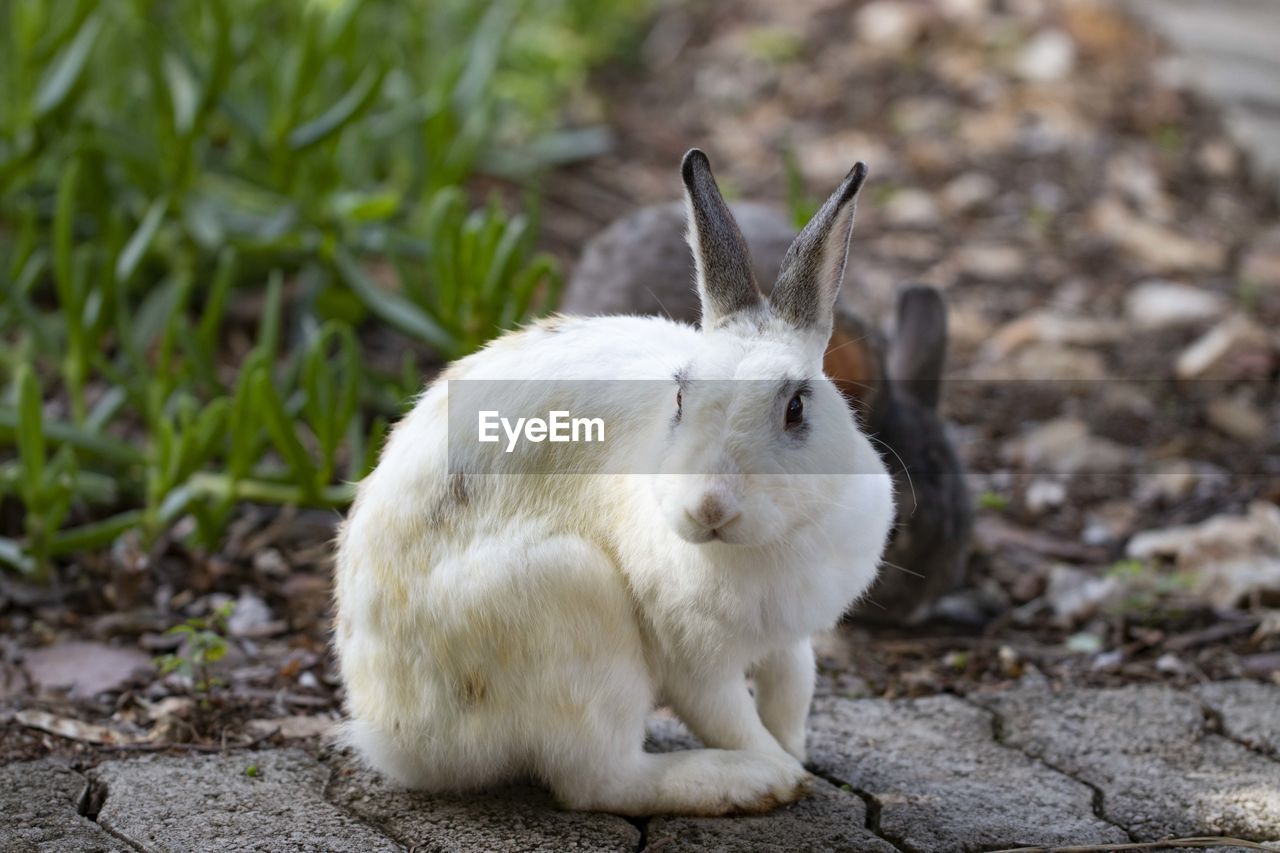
<point>993,501</point>
<point>210,210</point>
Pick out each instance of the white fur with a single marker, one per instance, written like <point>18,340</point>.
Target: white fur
<point>528,627</point>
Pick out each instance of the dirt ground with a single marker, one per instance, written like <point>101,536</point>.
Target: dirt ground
<point>1028,160</point>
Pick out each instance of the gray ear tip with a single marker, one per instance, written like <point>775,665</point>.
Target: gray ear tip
<point>854,180</point>
<point>694,161</point>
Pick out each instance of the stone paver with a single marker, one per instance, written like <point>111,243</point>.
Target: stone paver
<point>194,803</point>
<point>943,783</point>
<point>830,819</point>
<point>1003,769</point>
<point>1250,712</point>
<point>39,811</point>
<point>1161,774</point>
<point>508,821</point>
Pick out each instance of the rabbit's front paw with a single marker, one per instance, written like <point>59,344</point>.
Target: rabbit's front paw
<point>767,780</point>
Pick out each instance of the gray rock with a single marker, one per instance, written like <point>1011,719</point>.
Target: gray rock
<point>510,820</point>
<point>941,780</point>
<point>39,811</point>
<point>828,819</point>
<point>1249,711</point>
<point>1146,749</point>
<point>210,803</point>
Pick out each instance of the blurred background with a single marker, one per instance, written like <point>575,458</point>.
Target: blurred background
<point>237,237</point>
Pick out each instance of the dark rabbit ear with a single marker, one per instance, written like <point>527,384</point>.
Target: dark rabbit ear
<point>726,284</point>
<point>918,353</point>
<point>854,362</point>
<point>805,294</point>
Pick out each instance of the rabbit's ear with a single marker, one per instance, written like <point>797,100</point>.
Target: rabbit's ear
<point>726,284</point>
<point>918,353</point>
<point>855,363</point>
<point>805,294</point>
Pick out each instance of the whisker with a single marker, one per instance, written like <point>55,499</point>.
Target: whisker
<point>902,569</point>
<point>660,305</point>
<point>848,343</point>
<point>915,502</point>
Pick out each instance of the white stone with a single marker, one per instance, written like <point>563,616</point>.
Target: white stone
<point>1064,446</point>
<point>1159,304</point>
<point>911,208</point>
<point>968,191</point>
<point>890,24</point>
<point>1230,557</point>
<point>1048,57</point>
<point>1235,348</point>
<point>1043,327</point>
<point>991,261</point>
<point>1045,495</point>
<point>1075,594</point>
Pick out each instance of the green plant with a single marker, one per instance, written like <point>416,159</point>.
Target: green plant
<point>993,501</point>
<point>801,204</point>
<point>478,278</point>
<point>204,642</point>
<point>169,170</point>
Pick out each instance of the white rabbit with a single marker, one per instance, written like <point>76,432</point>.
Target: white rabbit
<point>498,620</point>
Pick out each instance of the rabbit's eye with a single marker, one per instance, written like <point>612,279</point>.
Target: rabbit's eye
<point>795,412</point>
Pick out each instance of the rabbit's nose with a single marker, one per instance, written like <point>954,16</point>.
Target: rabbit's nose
<point>712,511</point>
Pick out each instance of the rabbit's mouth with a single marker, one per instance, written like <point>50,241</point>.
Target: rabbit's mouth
<point>702,536</point>
<point>697,535</point>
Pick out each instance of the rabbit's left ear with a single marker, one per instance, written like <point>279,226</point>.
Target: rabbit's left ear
<point>726,284</point>
<point>805,295</point>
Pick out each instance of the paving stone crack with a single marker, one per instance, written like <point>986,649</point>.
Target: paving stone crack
<point>1214,724</point>
<point>327,795</point>
<point>1097,801</point>
<point>872,807</point>
<point>92,799</point>
<point>642,826</point>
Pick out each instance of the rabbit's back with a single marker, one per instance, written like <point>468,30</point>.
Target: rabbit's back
<point>453,585</point>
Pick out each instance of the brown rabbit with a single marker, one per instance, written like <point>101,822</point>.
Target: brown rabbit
<point>641,265</point>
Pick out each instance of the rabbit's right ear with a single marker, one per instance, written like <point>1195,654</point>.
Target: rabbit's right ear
<point>805,293</point>
<point>726,284</point>
<point>918,353</point>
